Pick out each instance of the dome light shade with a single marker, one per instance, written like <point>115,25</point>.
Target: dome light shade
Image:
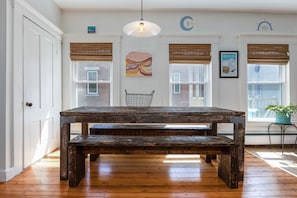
<point>141,28</point>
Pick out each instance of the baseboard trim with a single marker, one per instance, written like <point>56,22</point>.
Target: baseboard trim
<point>8,174</point>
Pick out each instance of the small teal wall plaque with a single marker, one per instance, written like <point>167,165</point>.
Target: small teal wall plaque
<point>91,29</point>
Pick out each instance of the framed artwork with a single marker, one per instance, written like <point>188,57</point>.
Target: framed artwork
<point>228,64</point>
<point>138,64</point>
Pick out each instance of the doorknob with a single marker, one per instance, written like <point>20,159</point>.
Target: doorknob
<point>29,104</point>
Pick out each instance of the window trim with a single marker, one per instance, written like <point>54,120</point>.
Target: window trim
<point>255,38</point>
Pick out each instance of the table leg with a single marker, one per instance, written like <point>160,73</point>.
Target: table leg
<point>268,129</point>
<point>64,138</point>
<point>84,128</point>
<point>296,137</point>
<point>239,139</point>
<point>283,129</point>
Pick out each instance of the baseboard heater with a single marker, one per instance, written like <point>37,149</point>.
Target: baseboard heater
<point>259,133</point>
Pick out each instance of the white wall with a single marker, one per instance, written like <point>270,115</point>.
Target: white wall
<point>225,31</point>
<point>47,8</point>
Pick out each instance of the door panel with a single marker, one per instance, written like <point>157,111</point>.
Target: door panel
<point>47,61</point>
<point>38,91</point>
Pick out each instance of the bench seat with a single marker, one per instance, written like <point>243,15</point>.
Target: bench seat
<point>148,129</point>
<point>117,144</point>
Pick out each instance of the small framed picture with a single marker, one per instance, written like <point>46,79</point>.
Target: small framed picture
<point>228,64</point>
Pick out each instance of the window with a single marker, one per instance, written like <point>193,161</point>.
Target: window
<point>189,74</point>
<point>92,83</point>
<point>176,82</point>
<point>92,73</point>
<point>266,78</point>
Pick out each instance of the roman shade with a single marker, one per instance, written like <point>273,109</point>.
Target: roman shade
<point>190,53</point>
<point>91,51</point>
<point>268,53</point>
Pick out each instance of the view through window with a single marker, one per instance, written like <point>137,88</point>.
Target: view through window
<point>188,84</point>
<point>92,83</point>
<point>267,79</point>
<point>265,86</point>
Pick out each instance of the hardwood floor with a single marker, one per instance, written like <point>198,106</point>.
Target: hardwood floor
<point>153,176</point>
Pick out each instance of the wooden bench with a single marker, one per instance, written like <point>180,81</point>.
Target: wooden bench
<point>116,144</point>
<point>144,129</point>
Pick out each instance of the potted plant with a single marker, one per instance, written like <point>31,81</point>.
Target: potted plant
<point>282,113</point>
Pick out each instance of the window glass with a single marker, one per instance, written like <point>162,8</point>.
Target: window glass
<point>92,83</point>
<point>189,84</point>
<point>265,86</point>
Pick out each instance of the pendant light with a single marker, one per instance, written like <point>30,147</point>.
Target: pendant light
<point>141,28</point>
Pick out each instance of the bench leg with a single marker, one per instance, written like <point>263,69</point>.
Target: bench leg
<point>208,158</point>
<point>76,166</point>
<point>228,167</point>
<point>212,132</point>
<point>93,157</point>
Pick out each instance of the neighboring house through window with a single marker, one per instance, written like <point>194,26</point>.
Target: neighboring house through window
<point>176,82</point>
<point>189,74</point>
<point>92,83</point>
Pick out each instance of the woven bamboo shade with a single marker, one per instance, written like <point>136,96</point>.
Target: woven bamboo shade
<point>268,53</point>
<point>189,53</point>
<point>91,51</point>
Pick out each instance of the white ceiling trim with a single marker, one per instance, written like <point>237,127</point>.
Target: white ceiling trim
<point>276,6</point>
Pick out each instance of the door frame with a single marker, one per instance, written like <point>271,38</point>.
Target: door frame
<point>22,9</point>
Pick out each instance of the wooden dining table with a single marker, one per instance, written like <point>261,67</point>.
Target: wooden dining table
<point>149,115</point>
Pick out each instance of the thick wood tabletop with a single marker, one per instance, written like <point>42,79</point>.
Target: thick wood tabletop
<point>149,114</point>
<point>155,109</point>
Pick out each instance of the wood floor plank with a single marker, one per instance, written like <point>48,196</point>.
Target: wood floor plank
<point>126,176</point>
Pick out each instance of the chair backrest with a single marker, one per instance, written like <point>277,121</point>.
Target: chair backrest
<point>139,99</point>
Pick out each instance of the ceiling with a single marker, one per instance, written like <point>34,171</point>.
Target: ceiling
<point>272,6</point>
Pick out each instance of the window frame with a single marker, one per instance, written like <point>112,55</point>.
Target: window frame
<point>250,38</point>
<point>269,53</point>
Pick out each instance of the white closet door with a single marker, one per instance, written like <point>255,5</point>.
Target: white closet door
<point>38,57</point>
